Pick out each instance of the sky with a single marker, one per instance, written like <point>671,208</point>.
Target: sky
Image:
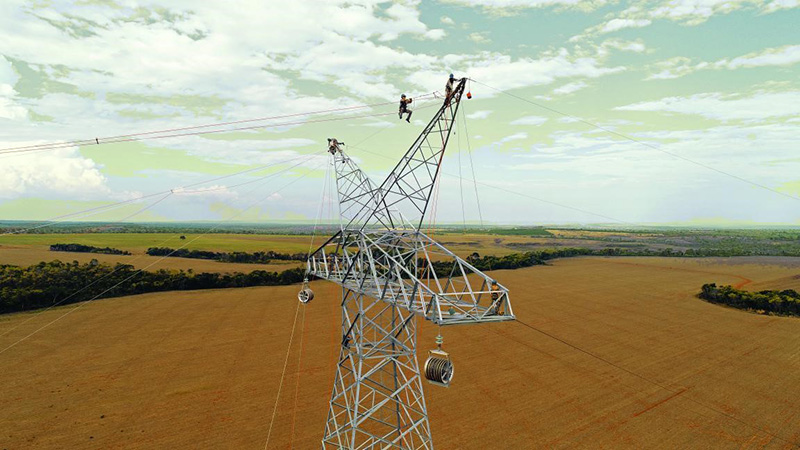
<point>679,112</point>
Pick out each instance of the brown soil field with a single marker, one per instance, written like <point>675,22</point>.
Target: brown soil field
<point>27,256</point>
<point>620,355</point>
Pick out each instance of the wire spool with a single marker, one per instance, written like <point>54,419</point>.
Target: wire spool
<point>439,368</point>
<point>306,294</point>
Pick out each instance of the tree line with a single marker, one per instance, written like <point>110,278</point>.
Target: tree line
<point>49,283</point>
<point>784,303</point>
<point>538,257</point>
<point>232,257</point>
<point>80,248</point>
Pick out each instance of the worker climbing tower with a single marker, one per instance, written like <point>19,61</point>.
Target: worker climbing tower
<point>391,271</point>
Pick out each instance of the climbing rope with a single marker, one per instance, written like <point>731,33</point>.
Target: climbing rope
<point>297,380</point>
<point>319,210</point>
<point>460,178</point>
<point>471,165</point>
<point>283,373</point>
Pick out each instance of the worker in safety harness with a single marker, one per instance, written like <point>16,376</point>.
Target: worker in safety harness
<point>333,145</point>
<point>404,107</point>
<point>448,88</point>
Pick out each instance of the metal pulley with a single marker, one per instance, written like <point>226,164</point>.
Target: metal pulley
<point>306,294</point>
<point>438,367</point>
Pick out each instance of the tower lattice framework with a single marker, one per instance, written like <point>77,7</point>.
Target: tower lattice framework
<point>391,272</point>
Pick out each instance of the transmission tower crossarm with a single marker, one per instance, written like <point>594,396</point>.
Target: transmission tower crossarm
<point>410,270</point>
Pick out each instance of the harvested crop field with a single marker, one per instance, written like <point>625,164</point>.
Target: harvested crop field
<point>621,354</point>
<point>24,256</point>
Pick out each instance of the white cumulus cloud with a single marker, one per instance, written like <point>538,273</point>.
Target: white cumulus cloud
<point>62,173</point>
<point>722,107</point>
<point>479,114</point>
<point>529,120</point>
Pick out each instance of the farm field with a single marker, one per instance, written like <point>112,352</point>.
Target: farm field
<point>202,369</point>
<point>139,242</point>
<point>29,249</point>
<point>26,256</point>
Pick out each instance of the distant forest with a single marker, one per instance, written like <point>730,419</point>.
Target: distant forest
<point>80,248</point>
<point>784,303</point>
<point>49,283</point>
<point>532,258</point>
<point>233,257</point>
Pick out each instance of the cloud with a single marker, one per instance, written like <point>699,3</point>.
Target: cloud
<point>529,120</point>
<point>215,193</point>
<point>435,34</point>
<point>479,38</point>
<point>479,115</point>
<point>62,173</point>
<point>504,72</point>
<point>619,24</point>
<point>695,12</point>
<point>596,165</point>
<point>636,46</point>
<point>447,20</point>
<point>781,56</point>
<point>680,66</point>
<point>9,108</point>
<point>513,137</point>
<point>687,12</point>
<point>257,150</point>
<point>502,6</point>
<point>756,107</point>
<point>569,88</point>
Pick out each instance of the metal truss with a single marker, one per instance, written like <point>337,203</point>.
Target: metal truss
<point>390,272</point>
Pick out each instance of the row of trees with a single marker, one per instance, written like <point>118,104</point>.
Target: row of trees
<point>785,303</point>
<point>80,248</point>
<point>49,283</point>
<point>232,257</point>
<point>532,258</point>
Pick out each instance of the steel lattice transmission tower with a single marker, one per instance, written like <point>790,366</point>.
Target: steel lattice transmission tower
<point>390,271</point>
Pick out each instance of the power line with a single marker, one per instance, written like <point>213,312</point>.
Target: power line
<point>195,133</point>
<point>95,141</point>
<point>532,197</point>
<point>177,190</point>
<point>146,267</point>
<point>645,144</point>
